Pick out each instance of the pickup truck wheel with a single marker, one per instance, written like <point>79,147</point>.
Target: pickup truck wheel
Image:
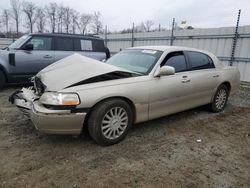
<point>220,99</point>
<point>2,79</point>
<point>110,121</point>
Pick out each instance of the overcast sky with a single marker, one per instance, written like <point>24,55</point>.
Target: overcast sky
<point>119,14</point>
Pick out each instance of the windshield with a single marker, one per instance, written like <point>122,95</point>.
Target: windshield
<point>18,42</point>
<point>139,60</point>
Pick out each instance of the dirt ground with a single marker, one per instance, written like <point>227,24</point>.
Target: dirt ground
<point>159,153</point>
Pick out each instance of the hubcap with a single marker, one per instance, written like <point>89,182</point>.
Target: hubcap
<point>221,98</point>
<point>114,122</point>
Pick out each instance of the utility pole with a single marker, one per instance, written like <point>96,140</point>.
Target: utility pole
<point>106,38</point>
<point>235,39</point>
<point>172,33</point>
<point>133,30</point>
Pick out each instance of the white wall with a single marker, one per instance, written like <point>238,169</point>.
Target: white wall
<point>215,40</point>
<point>5,42</point>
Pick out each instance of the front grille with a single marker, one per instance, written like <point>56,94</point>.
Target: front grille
<point>39,86</point>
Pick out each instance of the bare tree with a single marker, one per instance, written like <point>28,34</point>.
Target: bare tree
<point>41,20</point>
<point>67,15</point>
<point>60,12</point>
<point>29,9</point>
<point>5,19</point>
<point>16,11</point>
<point>75,17</point>
<point>140,28</point>
<point>83,22</point>
<point>148,24</point>
<point>51,11</point>
<point>97,24</point>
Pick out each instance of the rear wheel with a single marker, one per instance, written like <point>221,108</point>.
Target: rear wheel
<point>110,121</point>
<point>220,99</point>
<point>2,79</point>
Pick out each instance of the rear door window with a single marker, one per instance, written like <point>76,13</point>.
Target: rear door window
<point>86,45</point>
<point>176,60</point>
<point>64,44</point>
<point>200,61</point>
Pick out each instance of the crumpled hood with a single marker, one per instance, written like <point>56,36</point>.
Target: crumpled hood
<point>71,70</point>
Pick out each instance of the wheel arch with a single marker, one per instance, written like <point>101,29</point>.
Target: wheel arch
<point>4,72</point>
<point>227,84</point>
<point>129,101</point>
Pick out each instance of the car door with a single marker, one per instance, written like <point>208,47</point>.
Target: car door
<point>204,77</point>
<point>170,94</point>
<point>29,62</point>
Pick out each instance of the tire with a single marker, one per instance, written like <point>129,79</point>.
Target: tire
<point>2,79</point>
<point>110,121</point>
<point>220,99</point>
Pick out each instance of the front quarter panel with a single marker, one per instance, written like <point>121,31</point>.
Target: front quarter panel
<point>137,91</point>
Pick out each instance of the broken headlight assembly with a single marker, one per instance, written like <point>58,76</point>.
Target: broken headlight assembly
<point>59,99</point>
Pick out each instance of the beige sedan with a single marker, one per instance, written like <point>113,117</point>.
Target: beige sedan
<point>135,85</point>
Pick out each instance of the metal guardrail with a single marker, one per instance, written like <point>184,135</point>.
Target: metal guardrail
<point>236,59</point>
<point>222,36</point>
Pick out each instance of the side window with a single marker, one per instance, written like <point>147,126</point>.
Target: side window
<point>77,45</point>
<point>200,61</point>
<point>41,43</point>
<point>63,44</point>
<point>86,45</point>
<point>176,60</point>
<point>98,45</point>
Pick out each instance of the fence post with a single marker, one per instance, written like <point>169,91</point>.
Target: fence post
<point>133,38</point>
<point>172,33</point>
<point>235,39</point>
<point>106,39</point>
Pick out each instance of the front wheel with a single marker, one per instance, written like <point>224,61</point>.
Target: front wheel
<point>110,121</point>
<point>220,99</point>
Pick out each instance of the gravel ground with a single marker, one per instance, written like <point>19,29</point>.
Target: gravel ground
<point>159,153</point>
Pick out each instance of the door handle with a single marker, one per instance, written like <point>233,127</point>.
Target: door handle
<point>216,76</point>
<point>185,80</point>
<point>47,56</point>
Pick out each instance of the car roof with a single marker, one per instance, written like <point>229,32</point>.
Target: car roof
<point>180,48</point>
<point>66,35</point>
<point>169,48</point>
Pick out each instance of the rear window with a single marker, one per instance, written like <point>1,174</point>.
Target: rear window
<point>92,45</point>
<point>200,61</point>
<point>64,44</point>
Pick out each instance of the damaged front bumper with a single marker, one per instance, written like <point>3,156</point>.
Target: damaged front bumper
<point>23,99</point>
<point>47,120</point>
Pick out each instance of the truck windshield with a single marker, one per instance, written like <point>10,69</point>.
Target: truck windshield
<point>138,60</point>
<point>19,42</point>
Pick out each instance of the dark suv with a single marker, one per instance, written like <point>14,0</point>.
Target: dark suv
<point>31,53</point>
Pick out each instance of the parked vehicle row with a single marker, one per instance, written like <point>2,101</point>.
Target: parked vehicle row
<point>136,85</point>
<point>31,53</point>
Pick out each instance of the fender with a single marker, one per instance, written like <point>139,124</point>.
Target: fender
<point>4,71</point>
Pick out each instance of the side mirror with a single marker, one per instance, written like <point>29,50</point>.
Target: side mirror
<point>28,47</point>
<point>165,71</point>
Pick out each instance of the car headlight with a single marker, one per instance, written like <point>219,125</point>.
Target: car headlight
<point>61,99</point>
